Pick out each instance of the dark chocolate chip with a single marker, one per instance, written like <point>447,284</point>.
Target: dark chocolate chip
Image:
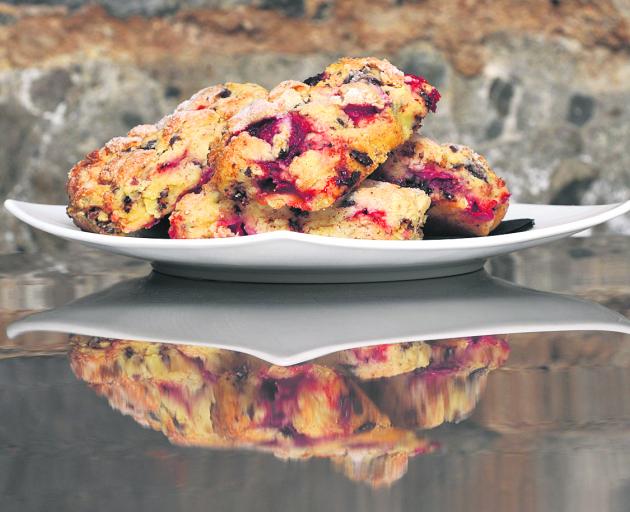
<point>348,179</point>
<point>239,195</point>
<point>225,93</point>
<point>297,212</point>
<point>295,225</point>
<point>150,144</point>
<point>268,389</point>
<point>453,148</point>
<point>267,185</point>
<point>127,203</point>
<point>288,431</point>
<point>361,157</point>
<point>357,405</point>
<point>241,373</point>
<point>366,427</point>
<point>314,80</point>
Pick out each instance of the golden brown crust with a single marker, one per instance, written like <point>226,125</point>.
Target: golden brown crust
<point>381,361</point>
<point>134,181</point>
<point>467,197</point>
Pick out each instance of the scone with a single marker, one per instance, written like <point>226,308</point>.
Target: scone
<point>170,388</point>
<point>305,146</point>
<point>304,402</point>
<point>467,197</point>
<point>375,210</point>
<point>448,389</point>
<point>381,361</point>
<point>134,181</point>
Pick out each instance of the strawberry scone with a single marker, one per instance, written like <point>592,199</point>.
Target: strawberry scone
<point>375,210</point>
<point>134,181</point>
<point>467,197</point>
<point>308,144</point>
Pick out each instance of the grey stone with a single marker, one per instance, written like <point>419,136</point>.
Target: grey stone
<point>580,109</point>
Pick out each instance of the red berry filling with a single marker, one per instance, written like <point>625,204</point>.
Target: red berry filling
<point>265,129</point>
<point>378,217</point>
<point>415,82</point>
<point>480,209</point>
<point>435,181</point>
<point>276,180</point>
<point>376,354</point>
<point>417,85</point>
<point>361,112</point>
<point>167,166</point>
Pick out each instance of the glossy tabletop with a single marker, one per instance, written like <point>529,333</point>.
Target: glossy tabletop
<point>473,411</point>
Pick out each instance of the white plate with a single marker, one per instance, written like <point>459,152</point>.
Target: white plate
<point>294,323</point>
<point>287,257</point>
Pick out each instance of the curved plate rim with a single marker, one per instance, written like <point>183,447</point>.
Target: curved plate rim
<point>609,211</point>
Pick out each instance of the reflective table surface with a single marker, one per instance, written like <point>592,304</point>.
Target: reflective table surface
<point>501,390</point>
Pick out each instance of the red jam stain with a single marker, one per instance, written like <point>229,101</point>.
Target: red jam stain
<point>481,210</point>
<point>378,217</point>
<point>280,397</point>
<point>435,181</point>
<point>300,128</point>
<point>238,228</point>
<point>173,230</point>
<point>166,166</point>
<point>275,180</point>
<point>376,354</point>
<point>265,129</point>
<point>361,112</point>
<point>415,82</point>
<point>417,85</point>
<point>206,174</point>
<point>176,393</point>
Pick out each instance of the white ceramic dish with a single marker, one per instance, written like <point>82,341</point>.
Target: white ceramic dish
<point>287,257</point>
<point>294,323</point>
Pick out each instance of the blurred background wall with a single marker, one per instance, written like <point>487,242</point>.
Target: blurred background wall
<point>541,87</point>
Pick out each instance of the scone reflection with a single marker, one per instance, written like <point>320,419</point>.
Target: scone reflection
<point>360,408</point>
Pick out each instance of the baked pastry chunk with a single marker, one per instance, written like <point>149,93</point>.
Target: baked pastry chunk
<point>467,197</point>
<point>376,210</point>
<point>306,402</point>
<point>381,361</point>
<point>307,144</point>
<point>134,181</point>
<point>448,389</point>
<point>165,387</point>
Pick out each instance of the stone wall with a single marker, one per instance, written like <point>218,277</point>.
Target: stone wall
<point>542,88</point>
